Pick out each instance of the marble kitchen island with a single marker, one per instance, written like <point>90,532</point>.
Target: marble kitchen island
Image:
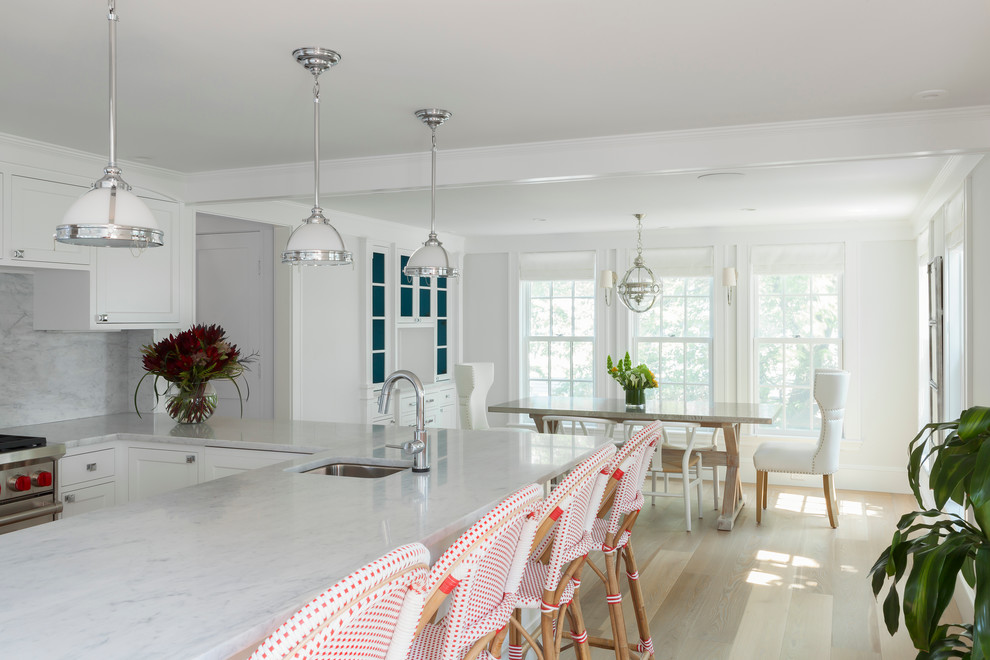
<point>208,570</point>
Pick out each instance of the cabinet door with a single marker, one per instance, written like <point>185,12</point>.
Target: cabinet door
<point>154,471</point>
<point>222,462</point>
<point>141,286</point>
<point>91,498</point>
<point>36,208</point>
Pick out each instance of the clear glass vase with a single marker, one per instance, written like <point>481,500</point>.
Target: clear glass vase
<point>636,399</point>
<point>192,404</point>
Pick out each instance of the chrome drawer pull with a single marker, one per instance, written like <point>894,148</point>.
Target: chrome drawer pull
<point>70,498</point>
<point>190,458</point>
<point>90,467</point>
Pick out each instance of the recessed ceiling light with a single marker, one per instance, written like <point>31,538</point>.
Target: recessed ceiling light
<point>539,219</point>
<point>747,209</point>
<point>930,95</point>
<point>719,176</point>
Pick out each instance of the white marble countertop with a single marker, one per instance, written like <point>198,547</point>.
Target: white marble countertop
<point>205,571</point>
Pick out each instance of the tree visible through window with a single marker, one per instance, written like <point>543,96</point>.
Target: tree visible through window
<point>674,339</point>
<point>798,330</point>
<point>559,335</point>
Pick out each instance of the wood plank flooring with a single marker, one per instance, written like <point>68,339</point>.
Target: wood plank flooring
<point>790,588</point>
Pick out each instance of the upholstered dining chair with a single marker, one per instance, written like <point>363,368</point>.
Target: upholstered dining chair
<point>356,617</point>
<point>473,380</point>
<point>821,457</point>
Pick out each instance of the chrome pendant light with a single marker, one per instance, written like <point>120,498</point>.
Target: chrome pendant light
<point>315,242</point>
<point>431,260</point>
<point>638,289</point>
<point>110,215</point>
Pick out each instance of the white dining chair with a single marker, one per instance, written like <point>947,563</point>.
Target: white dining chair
<point>574,425</point>
<point>687,469</point>
<point>821,457</point>
<point>473,380</point>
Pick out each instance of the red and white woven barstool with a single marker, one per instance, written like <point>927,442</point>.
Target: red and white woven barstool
<point>612,534</point>
<point>356,617</point>
<point>553,572</point>
<point>478,576</point>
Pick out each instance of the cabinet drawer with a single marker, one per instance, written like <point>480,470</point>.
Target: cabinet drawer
<point>89,498</point>
<point>86,467</point>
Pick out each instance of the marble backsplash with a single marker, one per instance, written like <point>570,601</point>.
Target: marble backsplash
<point>48,376</point>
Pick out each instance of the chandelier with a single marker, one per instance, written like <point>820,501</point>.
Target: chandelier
<point>638,289</point>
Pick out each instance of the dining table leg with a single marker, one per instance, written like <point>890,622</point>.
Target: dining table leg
<point>732,496</point>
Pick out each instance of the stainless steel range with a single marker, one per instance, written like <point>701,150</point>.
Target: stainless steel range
<point>28,476</point>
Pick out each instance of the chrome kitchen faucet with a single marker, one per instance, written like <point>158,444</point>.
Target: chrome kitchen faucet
<point>421,457</point>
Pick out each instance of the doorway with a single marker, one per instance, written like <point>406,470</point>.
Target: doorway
<point>235,289</point>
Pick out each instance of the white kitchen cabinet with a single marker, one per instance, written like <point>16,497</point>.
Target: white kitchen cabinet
<point>225,461</point>
<point>87,479</point>
<point>159,470</point>
<point>124,289</point>
<point>441,406</point>
<point>36,207</point>
<point>88,498</point>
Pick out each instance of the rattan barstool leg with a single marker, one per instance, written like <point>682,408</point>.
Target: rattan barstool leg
<point>613,594</point>
<point>639,604</point>
<point>579,632</point>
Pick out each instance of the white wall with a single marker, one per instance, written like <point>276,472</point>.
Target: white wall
<point>978,267</point>
<point>486,314</point>
<point>879,343</point>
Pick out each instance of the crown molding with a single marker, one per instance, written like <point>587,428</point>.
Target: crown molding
<point>946,183</point>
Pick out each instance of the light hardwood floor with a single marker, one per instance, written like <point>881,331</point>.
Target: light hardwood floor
<point>790,588</point>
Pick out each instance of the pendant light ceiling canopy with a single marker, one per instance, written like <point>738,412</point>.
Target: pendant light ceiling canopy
<point>431,260</point>
<point>638,289</point>
<point>110,215</point>
<point>316,242</point>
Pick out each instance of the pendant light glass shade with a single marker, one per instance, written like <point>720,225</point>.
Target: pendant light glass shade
<point>431,260</point>
<point>639,289</point>
<point>110,215</point>
<point>316,242</point>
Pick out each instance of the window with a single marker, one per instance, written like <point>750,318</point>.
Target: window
<point>674,338</point>
<point>559,337</point>
<point>798,328</point>
<point>558,318</point>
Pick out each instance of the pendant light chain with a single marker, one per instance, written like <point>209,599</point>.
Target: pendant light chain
<point>639,236</point>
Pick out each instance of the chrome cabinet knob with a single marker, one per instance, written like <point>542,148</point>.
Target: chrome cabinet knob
<point>17,254</point>
<point>102,318</point>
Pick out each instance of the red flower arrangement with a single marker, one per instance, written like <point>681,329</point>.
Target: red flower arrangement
<point>188,361</point>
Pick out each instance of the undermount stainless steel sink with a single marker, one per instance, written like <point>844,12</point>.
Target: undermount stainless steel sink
<point>359,470</point>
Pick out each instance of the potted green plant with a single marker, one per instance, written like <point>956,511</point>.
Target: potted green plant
<point>937,545</point>
<point>634,380</point>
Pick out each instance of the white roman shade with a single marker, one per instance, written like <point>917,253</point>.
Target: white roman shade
<point>790,259</point>
<point>681,262</point>
<point>539,266</point>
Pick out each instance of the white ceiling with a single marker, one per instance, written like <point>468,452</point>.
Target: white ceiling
<point>207,86</point>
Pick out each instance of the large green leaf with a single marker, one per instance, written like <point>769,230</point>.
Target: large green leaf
<point>981,605</point>
<point>979,494</point>
<point>974,422</point>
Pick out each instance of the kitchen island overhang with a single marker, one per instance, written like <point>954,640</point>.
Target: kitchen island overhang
<point>205,571</point>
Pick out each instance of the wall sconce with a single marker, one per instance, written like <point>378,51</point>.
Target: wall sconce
<point>606,280</point>
<point>730,276</point>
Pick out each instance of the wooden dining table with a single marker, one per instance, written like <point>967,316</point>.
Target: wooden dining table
<point>719,415</point>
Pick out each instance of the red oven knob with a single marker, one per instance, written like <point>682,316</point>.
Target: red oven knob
<point>20,483</point>
<point>42,479</point>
